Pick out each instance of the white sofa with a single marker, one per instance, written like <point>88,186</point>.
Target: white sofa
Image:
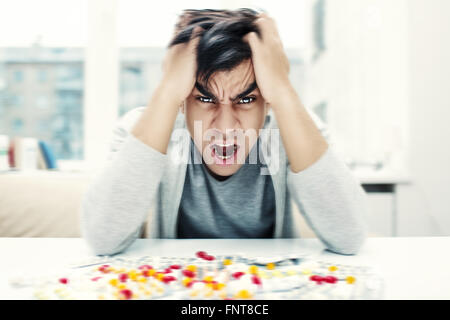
<point>47,204</point>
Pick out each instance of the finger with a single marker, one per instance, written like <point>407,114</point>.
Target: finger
<point>196,33</point>
<point>251,38</point>
<point>267,25</point>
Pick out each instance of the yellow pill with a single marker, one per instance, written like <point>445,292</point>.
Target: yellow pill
<point>194,293</point>
<point>191,268</point>
<point>113,282</point>
<point>227,262</point>
<point>208,279</point>
<point>142,287</point>
<point>209,285</point>
<point>350,280</point>
<point>291,272</point>
<point>209,293</point>
<point>219,286</point>
<point>333,268</point>
<point>306,271</point>
<point>270,266</point>
<point>142,279</point>
<point>122,286</point>
<point>133,275</point>
<point>186,281</point>
<point>277,274</point>
<point>160,290</point>
<point>253,269</point>
<point>159,276</point>
<point>244,294</point>
<point>147,293</point>
<point>151,272</point>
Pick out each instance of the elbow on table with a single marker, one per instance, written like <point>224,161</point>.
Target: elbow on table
<point>97,238</point>
<point>100,243</point>
<point>351,244</point>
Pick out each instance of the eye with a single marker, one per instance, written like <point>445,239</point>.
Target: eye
<point>205,99</point>
<point>247,100</point>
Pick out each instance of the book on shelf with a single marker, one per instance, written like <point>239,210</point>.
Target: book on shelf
<point>47,155</point>
<point>26,153</point>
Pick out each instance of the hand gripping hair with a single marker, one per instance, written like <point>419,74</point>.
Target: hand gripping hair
<point>221,46</point>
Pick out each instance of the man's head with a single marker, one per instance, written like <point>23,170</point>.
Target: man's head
<point>225,100</point>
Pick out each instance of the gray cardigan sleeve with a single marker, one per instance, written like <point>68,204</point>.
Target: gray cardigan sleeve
<point>331,200</point>
<point>117,201</point>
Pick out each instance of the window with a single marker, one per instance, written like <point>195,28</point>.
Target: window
<point>42,76</point>
<point>42,72</point>
<point>18,76</point>
<point>66,79</point>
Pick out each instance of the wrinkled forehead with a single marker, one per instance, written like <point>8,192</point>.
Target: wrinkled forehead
<point>225,85</point>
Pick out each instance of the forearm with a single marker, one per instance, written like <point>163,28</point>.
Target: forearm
<point>302,140</point>
<point>155,126</point>
<point>333,203</point>
<point>120,197</point>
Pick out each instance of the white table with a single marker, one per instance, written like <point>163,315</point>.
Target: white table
<point>413,268</point>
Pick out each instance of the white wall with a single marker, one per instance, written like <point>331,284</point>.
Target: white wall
<point>425,205</point>
<point>386,75</point>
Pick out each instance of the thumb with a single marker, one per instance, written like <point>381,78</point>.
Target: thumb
<point>196,35</point>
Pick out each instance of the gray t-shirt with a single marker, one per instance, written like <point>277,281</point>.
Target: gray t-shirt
<point>241,206</point>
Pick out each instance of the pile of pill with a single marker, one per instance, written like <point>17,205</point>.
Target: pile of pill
<point>209,277</point>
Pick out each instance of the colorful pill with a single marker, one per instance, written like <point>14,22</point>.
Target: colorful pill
<point>125,294</point>
<point>227,262</point>
<point>350,280</point>
<point>123,277</point>
<point>243,294</point>
<point>333,268</point>
<point>188,273</point>
<point>238,274</point>
<point>270,266</point>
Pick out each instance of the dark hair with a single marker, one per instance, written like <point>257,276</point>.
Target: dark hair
<point>220,47</point>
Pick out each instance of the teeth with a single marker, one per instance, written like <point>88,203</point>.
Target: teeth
<point>225,151</point>
<point>224,145</point>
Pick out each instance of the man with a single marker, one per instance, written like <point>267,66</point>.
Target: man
<point>225,78</point>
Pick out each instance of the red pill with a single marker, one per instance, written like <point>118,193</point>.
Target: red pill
<point>256,280</point>
<point>167,279</point>
<point>123,277</point>
<point>237,275</point>
<point>167,270</point>
<point>188,273</point>
<point>209,258</point>
<point>201,254</point>
<point>316,278</point>
<point>125,294</point>
<point>95,278</point>
<point>175,267</point>
<point>104,268</point>
<point>64,280</point>
<point>145,267</point>
<point>330,279</point>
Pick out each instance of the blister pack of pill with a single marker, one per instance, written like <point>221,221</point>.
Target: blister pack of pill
<point>205,276</point>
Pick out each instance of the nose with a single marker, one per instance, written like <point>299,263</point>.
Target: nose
<point>225,118</point>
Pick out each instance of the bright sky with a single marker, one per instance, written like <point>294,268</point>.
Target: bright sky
<point>139,22</point>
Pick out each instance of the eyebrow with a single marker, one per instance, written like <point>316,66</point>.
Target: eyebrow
<point>206,92</point>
